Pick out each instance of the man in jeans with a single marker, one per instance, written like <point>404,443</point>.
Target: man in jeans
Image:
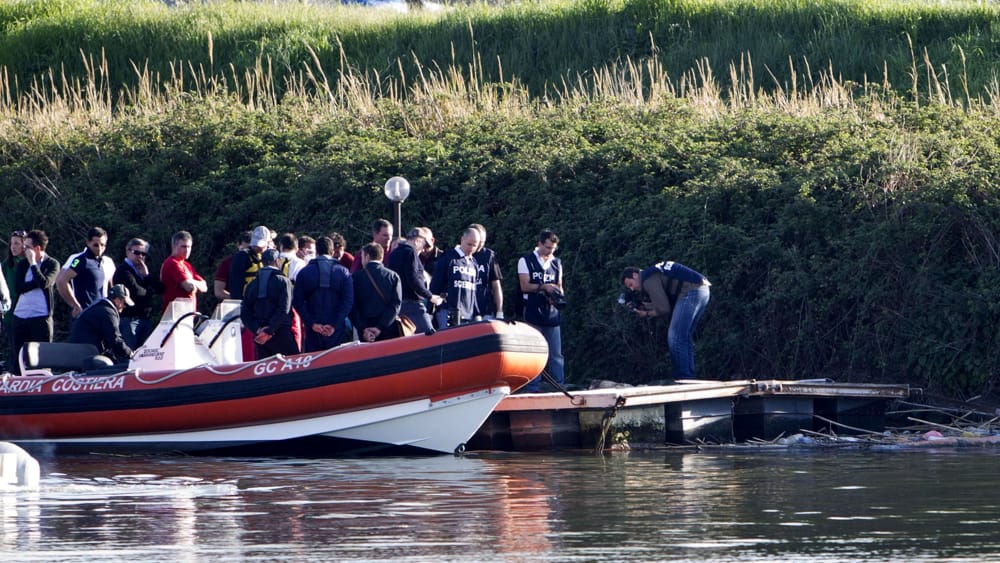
<point>677,292</point>
<point>540,276</point>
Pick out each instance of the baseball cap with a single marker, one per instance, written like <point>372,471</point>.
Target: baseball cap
<point>261,236</point>
<point>119,290</point>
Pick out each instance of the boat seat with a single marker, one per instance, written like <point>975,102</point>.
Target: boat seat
<point>56,356</point>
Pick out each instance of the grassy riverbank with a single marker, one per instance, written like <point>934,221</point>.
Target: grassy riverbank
<point>910,45</point>
<point>849,230</point>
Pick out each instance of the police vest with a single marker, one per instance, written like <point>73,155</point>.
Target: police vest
<point>537,309</point>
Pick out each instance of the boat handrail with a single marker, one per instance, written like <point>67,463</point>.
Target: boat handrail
<point>178,322</point>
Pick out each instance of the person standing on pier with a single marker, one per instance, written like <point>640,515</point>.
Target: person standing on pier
<point>677,292</point>
<point>540,276</point>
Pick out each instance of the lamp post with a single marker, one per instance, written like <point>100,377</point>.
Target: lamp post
<point>397,189</point>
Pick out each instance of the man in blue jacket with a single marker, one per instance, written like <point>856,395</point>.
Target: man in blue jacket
<point>99,323</point>
<point>323,296</point>
<point>680,294</point>
<point>266,310</point>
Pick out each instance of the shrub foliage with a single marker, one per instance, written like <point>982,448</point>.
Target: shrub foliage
<point>845,237</point>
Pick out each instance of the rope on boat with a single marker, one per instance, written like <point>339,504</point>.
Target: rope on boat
<point>575,401</point>
<point>238,367</point>
<point>609,415</point>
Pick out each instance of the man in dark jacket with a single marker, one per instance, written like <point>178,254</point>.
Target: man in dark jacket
<point>323,296</point>
<point>405,261</point>
<point>98,325</point>
<point>142,284</point>
<point>35,285</point>
<point>266,310</point>
<point>377,296</point>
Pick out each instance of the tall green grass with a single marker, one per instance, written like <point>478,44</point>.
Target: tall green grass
<point>541,44</point>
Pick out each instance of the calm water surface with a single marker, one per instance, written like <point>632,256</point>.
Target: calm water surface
<point>818,505</point>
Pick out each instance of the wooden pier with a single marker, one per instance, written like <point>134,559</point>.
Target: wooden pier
<point>692,412</point>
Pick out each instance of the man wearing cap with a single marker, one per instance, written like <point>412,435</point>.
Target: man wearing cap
<point>267,309</point>
<point>247,262</point>
<point>98,325</point>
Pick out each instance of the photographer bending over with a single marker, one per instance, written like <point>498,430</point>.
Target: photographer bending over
<point>680,293</point>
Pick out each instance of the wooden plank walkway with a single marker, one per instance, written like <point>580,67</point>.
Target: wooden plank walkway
<point>704,410</point>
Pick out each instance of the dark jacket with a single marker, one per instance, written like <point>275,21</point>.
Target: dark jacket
<point>139,288</point>
<point>98,325</point>
<point>44,277</point>
<point>271,308</point>
<point>370,309</point>
<point>406,262</point>
<point>324,293</point>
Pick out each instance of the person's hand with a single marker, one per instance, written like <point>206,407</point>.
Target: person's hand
<point>436,300</point>
<point>77,309</point>
<point>262,337</point>
<point>141,268</point>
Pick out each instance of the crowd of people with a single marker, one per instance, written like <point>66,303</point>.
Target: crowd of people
<point>297,293</point>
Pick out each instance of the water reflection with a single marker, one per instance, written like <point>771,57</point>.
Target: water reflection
<point>721,506</point>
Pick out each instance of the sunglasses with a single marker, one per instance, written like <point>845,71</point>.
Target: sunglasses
<point>138,252</point>
<point>19,234</point>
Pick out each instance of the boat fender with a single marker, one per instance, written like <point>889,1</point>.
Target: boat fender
<point>17,467</point>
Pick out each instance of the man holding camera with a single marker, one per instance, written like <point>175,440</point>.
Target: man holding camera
<point>540,275</point>
<point>679,293</point>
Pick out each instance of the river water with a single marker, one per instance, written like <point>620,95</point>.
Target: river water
<point>676,505</point>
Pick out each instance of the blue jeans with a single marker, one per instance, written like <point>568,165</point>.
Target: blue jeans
<point>418,314</point>
<point>134,331</point>
<point>680,337</point>
<point>556,364</point>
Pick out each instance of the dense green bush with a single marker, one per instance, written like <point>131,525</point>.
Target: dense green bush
<point>838,245</point>
<point>845,237</point>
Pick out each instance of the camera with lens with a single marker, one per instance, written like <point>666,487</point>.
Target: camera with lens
<point>631,300</point>
<point>557,298</point>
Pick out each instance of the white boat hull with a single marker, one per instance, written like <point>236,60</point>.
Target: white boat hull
<point>435,426</point>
